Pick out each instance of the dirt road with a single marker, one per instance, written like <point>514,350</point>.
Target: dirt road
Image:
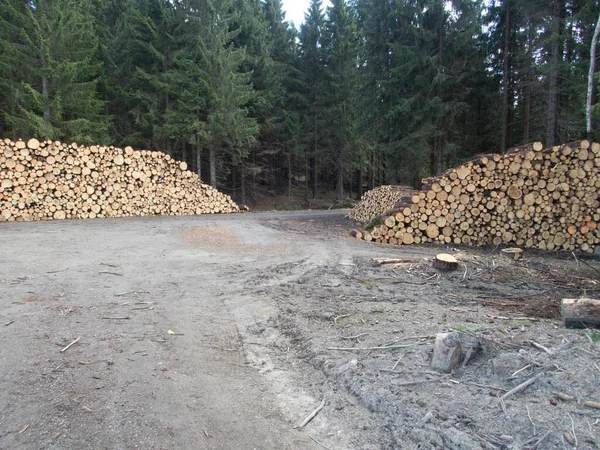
<point>225,332</point>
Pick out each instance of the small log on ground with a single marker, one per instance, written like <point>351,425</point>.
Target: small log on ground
<point>446,352</point>
<point>445,261</point>
<point>580,312</point>
<point>512,253</point>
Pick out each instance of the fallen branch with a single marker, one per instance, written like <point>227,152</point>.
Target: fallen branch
<point>312,415</point>
<point>317,442</point>
<point>421,423</point>
<point>522,386</point>
<point>594,405</point>
<point>340,317</point>
<point>69,346</point>
<point>541,347</point>
<point>349,349</point>
<point>354,337</point>
<point>122,294</point>
<point>382,261</point>
<point>415,383</point>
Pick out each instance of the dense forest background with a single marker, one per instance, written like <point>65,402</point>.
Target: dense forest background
<point>367,92</point>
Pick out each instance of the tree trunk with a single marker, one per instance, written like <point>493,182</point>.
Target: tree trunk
<point>360,179</point>
<point>198,158</point>
<point>506,77</point>
<point>314,171</point>
<point>212,160</point>
<point>555,62</point>
<point>45,94</point>
<point>590,88</point>
<point>242,184</point>
<point>340,182</point>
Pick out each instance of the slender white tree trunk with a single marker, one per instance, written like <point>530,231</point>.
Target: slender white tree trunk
<point>590,91</point>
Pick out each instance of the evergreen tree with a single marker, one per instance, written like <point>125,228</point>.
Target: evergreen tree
<point>341,56</point>
<point>312,64</point>
<point>48,71</point>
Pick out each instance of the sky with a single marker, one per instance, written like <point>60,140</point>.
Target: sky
<point>295,10</point>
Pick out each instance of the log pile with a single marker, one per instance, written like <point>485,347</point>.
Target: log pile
<point>530,197</point>
<point>54,180</point>
<point>377,201</point>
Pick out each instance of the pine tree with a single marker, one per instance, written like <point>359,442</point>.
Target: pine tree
<point>49,71</point>
<point>230,131</point>
<point>341,56</point>
<point>312,63</point>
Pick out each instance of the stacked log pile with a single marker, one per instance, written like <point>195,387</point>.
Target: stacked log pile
<point>530,197</point>
<point>377,201</point>
<point>53,180</point>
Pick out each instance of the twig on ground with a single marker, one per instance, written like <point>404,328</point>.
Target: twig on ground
<point>69,346</point>
<point>117,318</point>
<point>426,418</point>
<point>24,429</point>
<point>530,419</point>
<point>484,386</point>
<point>415,383</point>
<point>122,294</point>
<point>389,347</point>
<point>522,386</point>
<point>398,361</point>
<point>106,272</point>
<point>57,271</point>
<point>573,429</point>
<point>541,347</point>
<point>520,370</point>
<point>596,366</point>
<point>9,322</point>
<point>114,266</point>
<point>317,442</point>
<point>503,405</point>
<point>340,317</point>
<point>354,337</point>
<point>312,415</point>
<point>540,440</point>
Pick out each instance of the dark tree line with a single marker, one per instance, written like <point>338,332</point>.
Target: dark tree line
<point>367,92</point>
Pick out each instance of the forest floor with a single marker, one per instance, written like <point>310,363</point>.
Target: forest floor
<point>226,332</point>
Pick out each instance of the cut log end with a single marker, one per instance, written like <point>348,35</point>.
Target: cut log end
<point>444,261</point>
<point>580,313</point>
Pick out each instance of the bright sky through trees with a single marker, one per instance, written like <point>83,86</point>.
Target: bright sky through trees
<point>295,10</point>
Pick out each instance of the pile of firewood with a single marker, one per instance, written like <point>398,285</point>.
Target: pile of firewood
<point>53,180</point>
<point>530,197</point>
<point>376,201</point>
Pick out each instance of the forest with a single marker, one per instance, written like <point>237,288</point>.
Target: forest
<point>365,93</point>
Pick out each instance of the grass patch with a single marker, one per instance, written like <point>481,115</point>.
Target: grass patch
<point>374,222</point>
<point>469,328</point>
<point>594,336</point>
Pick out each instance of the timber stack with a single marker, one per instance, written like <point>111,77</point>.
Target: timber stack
<point>54,180</point>
<point>530,197</point>
<point>376,201</point>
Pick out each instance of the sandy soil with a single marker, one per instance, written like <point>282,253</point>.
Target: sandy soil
<point>225,332</point>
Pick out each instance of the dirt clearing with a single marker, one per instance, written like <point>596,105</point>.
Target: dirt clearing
<point>227,332</point>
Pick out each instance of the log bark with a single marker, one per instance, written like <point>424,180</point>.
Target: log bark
<point>580,313</point>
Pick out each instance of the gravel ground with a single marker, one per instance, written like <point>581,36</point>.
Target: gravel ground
<point>222,332</point>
